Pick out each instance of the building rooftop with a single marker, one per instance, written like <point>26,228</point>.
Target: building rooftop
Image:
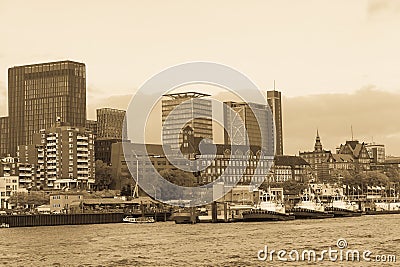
<point>186,95</point>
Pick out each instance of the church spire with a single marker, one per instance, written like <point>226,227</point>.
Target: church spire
<point>318,145</point>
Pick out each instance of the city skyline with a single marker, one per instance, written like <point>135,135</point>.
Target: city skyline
<point>337,60</point>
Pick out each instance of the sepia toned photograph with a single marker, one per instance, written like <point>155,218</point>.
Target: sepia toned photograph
<point>199,133</point>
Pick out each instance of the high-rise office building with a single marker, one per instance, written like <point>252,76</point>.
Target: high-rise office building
<point>240,118</point>
<point>194,111</point>
<point>274,102</point>
<point>39,93</point>
<point>111,128</point>
<point>110,123</point>
<point>4,134</point>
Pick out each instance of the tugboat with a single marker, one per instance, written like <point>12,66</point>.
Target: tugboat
<point>268,209</point>
<point>341,207</point>
<point>310,207</point>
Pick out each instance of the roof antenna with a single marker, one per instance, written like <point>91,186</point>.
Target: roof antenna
<point>352,137</point>
<point>274,85</point>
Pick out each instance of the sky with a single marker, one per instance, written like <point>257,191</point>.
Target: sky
<point>337,63</point>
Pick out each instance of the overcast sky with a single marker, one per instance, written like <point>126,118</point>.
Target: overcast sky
<point>337,63</point>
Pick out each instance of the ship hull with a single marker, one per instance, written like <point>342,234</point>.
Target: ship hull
<point>300,213</point>
<point>266,216</point>
<point>339,212</point>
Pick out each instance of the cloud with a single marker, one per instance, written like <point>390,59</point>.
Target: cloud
<point>371,113</point>
<point>383,7</point>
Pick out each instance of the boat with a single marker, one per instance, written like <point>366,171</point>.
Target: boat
<point>185,217</point>
<point>4,225</point>
<point>382,208</point>
<point>267,209</point>
<point>341,207</point>
<point>131,219</point>
<point>310,207</point>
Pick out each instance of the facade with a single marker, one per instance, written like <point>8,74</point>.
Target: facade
<point>317,159</point>
<point>103,149</point>
<point>64,157</point>
<point>110,123</point>
<point>340,162</point>
<point>110,129</point>
<point>191,106</point>
<point>358,151</point>
<point>39,93</point>
<point>8,187</point>
<point>240,118</point>
<point>286,168</point>
<point>275,103</point>
<point>217,165</point>
<point>91,125</point>
<point>65,202</point>
<point>9,166</point>
<point>376,153</point>
<point>4,135</point>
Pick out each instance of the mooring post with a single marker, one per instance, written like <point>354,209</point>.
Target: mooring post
<point>214,212</point>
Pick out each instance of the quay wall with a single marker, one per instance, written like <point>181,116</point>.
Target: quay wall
<point>60,219</point>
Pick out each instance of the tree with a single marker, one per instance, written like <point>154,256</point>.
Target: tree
<point>179,177</point>
<point>32,198</point>
<point>103,175</point>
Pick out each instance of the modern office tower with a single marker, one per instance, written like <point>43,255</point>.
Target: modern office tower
<point>194,111</point>
<point>110,123</point>
<point>66,156</point>
<point>274,102</point>
<point>39,93</point>
<point>4,134</point>
<point>240,118</point>
<point>110,130</point>
<point>91,125</point>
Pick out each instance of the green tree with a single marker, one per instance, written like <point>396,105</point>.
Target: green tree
<point>103,175</point>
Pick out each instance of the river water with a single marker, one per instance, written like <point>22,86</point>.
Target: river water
<point>168,244</point>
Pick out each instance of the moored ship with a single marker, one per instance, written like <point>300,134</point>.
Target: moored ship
<point>267,209</point>
<point>341,207</point>
<point>310,207</point>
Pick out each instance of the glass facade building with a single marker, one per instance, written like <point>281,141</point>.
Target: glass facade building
<point>240,118</point>
<point>39,93</point>
<point>194,111</point>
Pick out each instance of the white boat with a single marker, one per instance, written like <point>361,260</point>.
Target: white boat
<point>341,207</point>
<point>310,207</point>
<point>131,219</point>
<point>268,208</point>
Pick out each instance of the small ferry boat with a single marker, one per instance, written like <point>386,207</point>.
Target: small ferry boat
<point>341,207</point>
<point>310,207</point>
<point>131,219</point>
<point>267,209</point>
